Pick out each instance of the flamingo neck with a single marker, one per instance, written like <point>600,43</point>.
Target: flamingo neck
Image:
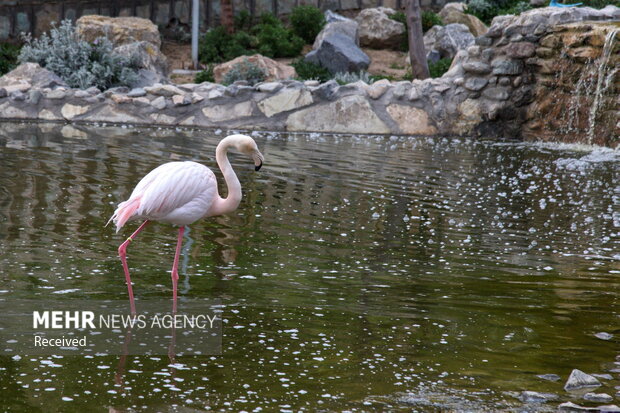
<point>231,202</point>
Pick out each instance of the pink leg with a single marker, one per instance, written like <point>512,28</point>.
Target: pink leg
<point>122,252</point>
<point>175,270</point>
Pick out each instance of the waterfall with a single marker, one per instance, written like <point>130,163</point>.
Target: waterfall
<point>605,78</point>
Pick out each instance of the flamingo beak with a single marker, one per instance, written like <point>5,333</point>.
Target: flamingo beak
<point>258,160</point>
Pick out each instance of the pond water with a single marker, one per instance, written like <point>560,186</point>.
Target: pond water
<point>359,273</point>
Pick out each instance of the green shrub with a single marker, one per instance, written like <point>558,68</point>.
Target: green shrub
<point>217,45</point>
<point>307,22</point>
<point>269,38</point>
<point>482,9</point>
<point>400,17</point>
<point>310,71</point>
<point>278,41</point>
<point>440,67</point>
<point>8,57</point>
<point>245,70</point>
<point>79,63</point>
<point>205,76</point>
<point>243,21</point>
<point>430,19</point>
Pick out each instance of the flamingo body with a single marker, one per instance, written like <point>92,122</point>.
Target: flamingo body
<point>178,193</point>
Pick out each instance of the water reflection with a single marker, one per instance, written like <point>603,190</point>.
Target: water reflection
<point>356,270</point>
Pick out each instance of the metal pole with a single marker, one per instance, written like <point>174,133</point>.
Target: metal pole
<point>195,16</point>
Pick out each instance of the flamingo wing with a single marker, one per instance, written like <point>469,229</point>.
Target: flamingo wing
<point>176,192</point>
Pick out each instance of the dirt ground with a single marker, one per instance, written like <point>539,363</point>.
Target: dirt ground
<point>383,62</point>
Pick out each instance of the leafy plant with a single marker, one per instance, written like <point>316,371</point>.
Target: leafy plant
<point>437,69</point>
<point>307,22</point>
<point>269,38</point>
<point>77,62</point>
<point>400,17</point>
<point>310,71</point>
<point>430,19</point>
<point>245,70</point>
<point>243,20</point>
<point>345,78</point>
<point>482,9</point>
<point>205,75</point>
<point>8,57</point>
<point>217,45</point>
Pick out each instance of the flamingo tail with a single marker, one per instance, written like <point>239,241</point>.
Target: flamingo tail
<point>124,211</point>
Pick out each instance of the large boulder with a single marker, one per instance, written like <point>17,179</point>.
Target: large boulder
<point>455,13</point>
<point>274,70</point>
<point>28,75</point>
<point>145,55</point>
<point>446,41</point>
<point>119,30</point>
<point>338,53</point>
<point>337,24</point>
<point>378,31</point>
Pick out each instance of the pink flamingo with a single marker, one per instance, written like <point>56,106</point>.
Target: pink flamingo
<point>181,193</point>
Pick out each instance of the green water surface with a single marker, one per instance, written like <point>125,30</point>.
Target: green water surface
<point>360,273</point>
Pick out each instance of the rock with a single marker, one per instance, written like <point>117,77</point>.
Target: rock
<point>145,56</point>
<point>70,111</point>
<point>11,112</point>
<point>377,30</point>
<point>604,336</point>
<point>536,397</point>
<point>478,68</point>
<point>227,112</point>
<point>344,26</point>
<point>82,94</point>
<point>455,13</point>
<point>56,94</point>
<point>274,70</point>
<point>603,376</point>
<point>572,407</point>
<point>410,120</point>
<point>17,96</point>
<point>269,87</point>
<point>47,115</point>
<point>448,40</point>
<point>93,90</point>
<point>136,93</point>
<point>327,90</point>
<point>287,99</point>
<point>181,100</point>
<point>350,114</point>
<point>68,131</point>
<point>503,66</point>
<point>338,53</point>
<point>331,17</point>
<point>496,93</point>
<point>311,83</point>
<point>163,90</point>
<point>3,93</point>
<point>377,89</point>
<point>119,99</point>
<point>31,75</point>
<point>34,96</point>
<point>163,119</point>
<point>159,103</point>
<point>520,50</point>
<point>578,380</point>
<point>109,113</point>
<point>475,83</point>
<point>598,397</point>
<point>195,97</point>
<point>216,93</point>
<point>120,30</point>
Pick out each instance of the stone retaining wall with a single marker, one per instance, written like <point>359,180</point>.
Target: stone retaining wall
<point>489,91</point>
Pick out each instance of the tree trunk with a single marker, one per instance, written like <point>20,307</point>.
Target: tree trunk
<point>227,15</point>
<point>417,54</point>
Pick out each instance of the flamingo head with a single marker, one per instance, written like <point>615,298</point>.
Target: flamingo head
<point>247,146</point>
